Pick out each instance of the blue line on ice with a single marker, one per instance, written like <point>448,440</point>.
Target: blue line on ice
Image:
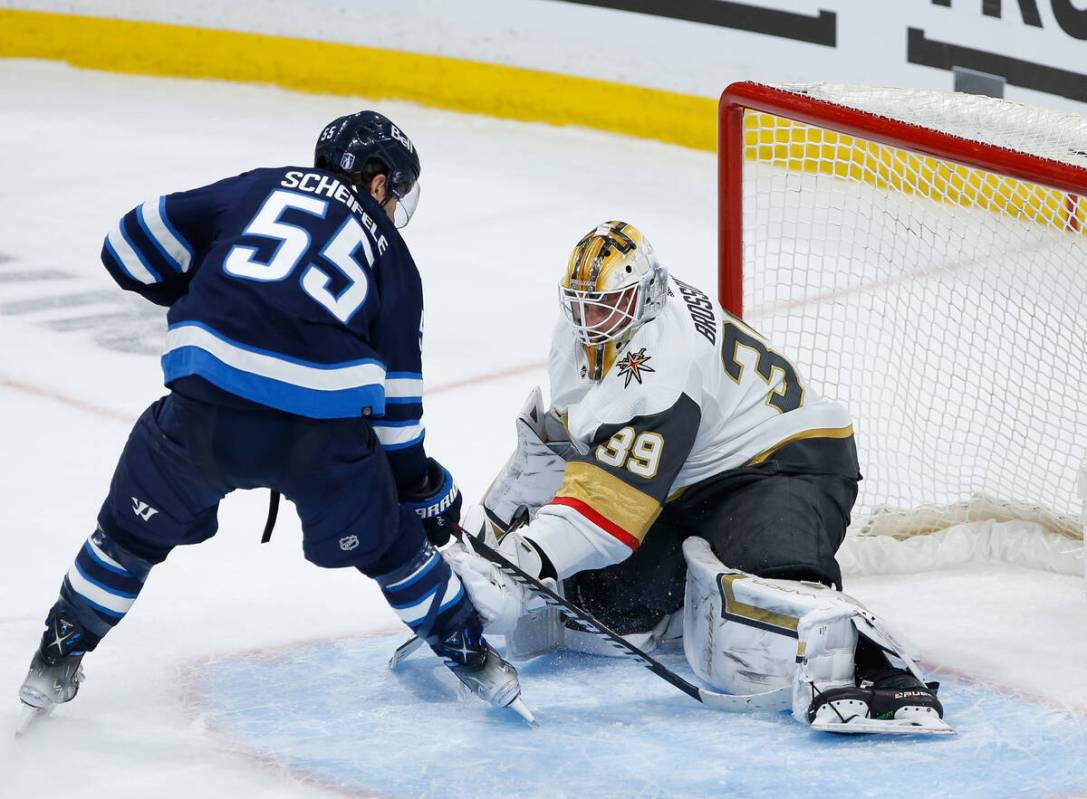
<point>334,712</point>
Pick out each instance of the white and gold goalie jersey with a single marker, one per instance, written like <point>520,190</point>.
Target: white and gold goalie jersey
<point>694,393</point>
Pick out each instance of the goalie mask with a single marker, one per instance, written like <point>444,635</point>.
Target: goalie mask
<point>613,285</point>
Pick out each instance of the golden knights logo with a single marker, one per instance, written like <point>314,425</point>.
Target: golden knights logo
<point>632,365</point>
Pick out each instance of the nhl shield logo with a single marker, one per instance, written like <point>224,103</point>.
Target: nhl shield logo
<point>349,542</point>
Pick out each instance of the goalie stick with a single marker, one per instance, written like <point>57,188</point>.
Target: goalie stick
<point>771,700</point>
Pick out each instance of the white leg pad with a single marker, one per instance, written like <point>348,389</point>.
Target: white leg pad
<point>538,632</point>
<point>543,630</point>
<point>647,641</point>
<point>748,635</point>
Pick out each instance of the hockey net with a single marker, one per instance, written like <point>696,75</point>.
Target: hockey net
<point>922,257</point>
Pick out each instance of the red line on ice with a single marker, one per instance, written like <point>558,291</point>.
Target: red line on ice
<point>74,402</point>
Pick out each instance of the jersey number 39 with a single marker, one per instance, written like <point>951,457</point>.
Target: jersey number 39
<point>294,240</point>
<point>640,453</point>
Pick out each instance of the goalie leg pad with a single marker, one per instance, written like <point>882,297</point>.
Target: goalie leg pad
<point>537,632</point>
<point>578,641</point>
<point>742,634</point>
<point>747,635</point>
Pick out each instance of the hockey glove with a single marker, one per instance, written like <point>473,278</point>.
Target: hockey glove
<point>436,503</point>
<point>498,597</point>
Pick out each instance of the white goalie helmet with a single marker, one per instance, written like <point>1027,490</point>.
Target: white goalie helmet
<point>613,285</point>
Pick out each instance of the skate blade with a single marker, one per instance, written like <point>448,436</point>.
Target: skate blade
<point>521,709</point>
<point>860,726</point>
<point>404,651</point>
<point>517,704</point>
<point>30,717</point>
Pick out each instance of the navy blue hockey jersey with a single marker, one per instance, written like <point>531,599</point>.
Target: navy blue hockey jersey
<point>290,290</point>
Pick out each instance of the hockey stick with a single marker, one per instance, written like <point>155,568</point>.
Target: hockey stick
<point>404,651</point>
<point>771,700</point>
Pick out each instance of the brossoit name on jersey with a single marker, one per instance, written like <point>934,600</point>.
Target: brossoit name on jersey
<point>701,310</point>
<point>316,183</point>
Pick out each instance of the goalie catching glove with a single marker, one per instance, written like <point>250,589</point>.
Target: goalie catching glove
<point>436,502</point>
<point>499,599</point>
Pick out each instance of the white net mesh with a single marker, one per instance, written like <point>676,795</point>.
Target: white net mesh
<point>1042,132</point>
<point>944,305</point>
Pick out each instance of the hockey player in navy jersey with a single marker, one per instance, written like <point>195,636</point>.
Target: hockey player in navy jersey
<point>293,359</point>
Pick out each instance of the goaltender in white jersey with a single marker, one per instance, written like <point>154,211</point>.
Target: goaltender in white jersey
<point>695,394</point>
<point>685,465</point>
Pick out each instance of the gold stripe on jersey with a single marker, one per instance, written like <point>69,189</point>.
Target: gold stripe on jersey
<point>618,502</point>
<point>817,432</point>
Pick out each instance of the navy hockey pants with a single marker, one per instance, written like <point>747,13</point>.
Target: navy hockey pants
<point>184,456</point>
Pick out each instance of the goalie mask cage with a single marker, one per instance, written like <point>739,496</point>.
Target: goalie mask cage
<point>922,257</point>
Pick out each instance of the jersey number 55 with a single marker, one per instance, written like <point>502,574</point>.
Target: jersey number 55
<point>294,241</point>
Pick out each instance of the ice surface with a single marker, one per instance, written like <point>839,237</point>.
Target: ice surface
<point>607,728</point>
<point>502,205</point>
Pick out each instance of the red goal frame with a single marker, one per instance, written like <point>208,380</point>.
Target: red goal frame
<point>739,97</point>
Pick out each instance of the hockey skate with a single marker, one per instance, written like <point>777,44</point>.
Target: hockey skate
<point>51,682</point>
<point>894,702</point>
<point>481,670</point>
<point>55,671</point>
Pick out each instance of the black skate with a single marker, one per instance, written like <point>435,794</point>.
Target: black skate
<point>895,701</point>
<point>481,670</point>
<point>51,683</point>
<point>55,672</point>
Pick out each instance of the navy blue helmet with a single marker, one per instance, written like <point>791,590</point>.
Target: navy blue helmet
<point>365,144</point>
